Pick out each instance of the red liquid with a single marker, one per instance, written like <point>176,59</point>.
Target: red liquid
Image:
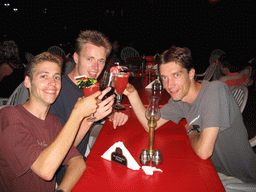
<point>90,90</point>
<point>121,83</point>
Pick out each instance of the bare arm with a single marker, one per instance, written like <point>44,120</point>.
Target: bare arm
<point>51,157</point>
<point>138,107</point>
<point>73,173</point>
<point>203,144</point>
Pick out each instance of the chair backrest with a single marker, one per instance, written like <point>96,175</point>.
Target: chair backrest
<point>210,70</point>
<point>248,71</point>
<point>68,66</point>
<point>28,56</point>
<point>215,55</point>
<point>240,94</point>
<point>3,101</point>
<point>19,96</point>
<point>56,51</point>
<point>129,52</point>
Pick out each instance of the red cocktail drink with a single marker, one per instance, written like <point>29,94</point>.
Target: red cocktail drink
<point>121,83</point>
<point>90,90</point>
<point>121,80</point>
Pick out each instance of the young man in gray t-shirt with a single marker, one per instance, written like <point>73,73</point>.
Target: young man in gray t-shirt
<point>215,125</point>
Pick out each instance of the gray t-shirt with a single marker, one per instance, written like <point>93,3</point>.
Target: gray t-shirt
<point>215,106</point>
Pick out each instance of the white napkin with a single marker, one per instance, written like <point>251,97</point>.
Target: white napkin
<point>149,170</point>
<point>155,66</point>
<point>131,163</point>
<point>149,86</point>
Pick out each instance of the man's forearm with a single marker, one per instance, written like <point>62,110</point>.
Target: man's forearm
<point>138,108</point>
<point>51,157</point>
<point>84,127</point>
<point>73,173</point>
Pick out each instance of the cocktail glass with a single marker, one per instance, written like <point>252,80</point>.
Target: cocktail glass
<point>89,91</point>
<point>120,82</point>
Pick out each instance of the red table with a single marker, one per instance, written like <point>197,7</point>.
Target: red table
<point>182,169</point>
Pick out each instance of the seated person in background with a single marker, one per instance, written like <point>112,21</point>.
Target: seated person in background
<point>114,55</point>
<point>11,68</point>
<point>32,141</point>
<point>215,125</point>
<point>91,51</point>
<point>230,77</point>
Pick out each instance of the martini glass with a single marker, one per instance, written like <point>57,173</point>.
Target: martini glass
<point>89,91</point>
<point>120,82</point>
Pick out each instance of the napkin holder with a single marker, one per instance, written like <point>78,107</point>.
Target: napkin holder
<point>119,154</point>
<point>118,157</point>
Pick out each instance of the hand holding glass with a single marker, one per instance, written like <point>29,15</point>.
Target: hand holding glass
<point>120,82</point>
<point>89,91</point>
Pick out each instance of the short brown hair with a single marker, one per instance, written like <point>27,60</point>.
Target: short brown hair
<point>45,56</point>
<point>94,37</point>
<point>181,56</point>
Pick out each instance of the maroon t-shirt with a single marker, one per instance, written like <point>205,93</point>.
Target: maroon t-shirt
<point>22,138</point>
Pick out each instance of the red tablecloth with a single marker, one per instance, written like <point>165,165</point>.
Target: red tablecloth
<point>182,169</point>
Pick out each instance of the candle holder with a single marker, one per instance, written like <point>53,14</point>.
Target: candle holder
<point>153,115</point>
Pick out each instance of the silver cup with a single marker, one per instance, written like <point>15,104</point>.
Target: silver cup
<point>157,158</point>
<point>144,157</point>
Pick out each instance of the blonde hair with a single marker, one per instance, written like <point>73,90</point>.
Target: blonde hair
<point>94,37</point>
<point>45,56</point>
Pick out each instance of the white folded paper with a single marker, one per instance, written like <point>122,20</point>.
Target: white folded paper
<point>81,76</point>
<point>149,170</point>
<point>155,66</point>
<point>131,163</point>
<point>149,86</point>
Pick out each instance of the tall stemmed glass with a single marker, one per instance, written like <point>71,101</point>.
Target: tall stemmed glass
<point>120,82</point>
<point>89,91</point>
<point>89,86</point>
<point>153,115</point>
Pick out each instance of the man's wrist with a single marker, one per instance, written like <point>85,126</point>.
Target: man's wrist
<point>132,94</point>
<point>58,190</point>
<point>193,129</point>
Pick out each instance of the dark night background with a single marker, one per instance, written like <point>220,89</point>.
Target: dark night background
<point>150,26</point>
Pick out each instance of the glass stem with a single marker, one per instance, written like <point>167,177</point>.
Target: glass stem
<point>119,99</point>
